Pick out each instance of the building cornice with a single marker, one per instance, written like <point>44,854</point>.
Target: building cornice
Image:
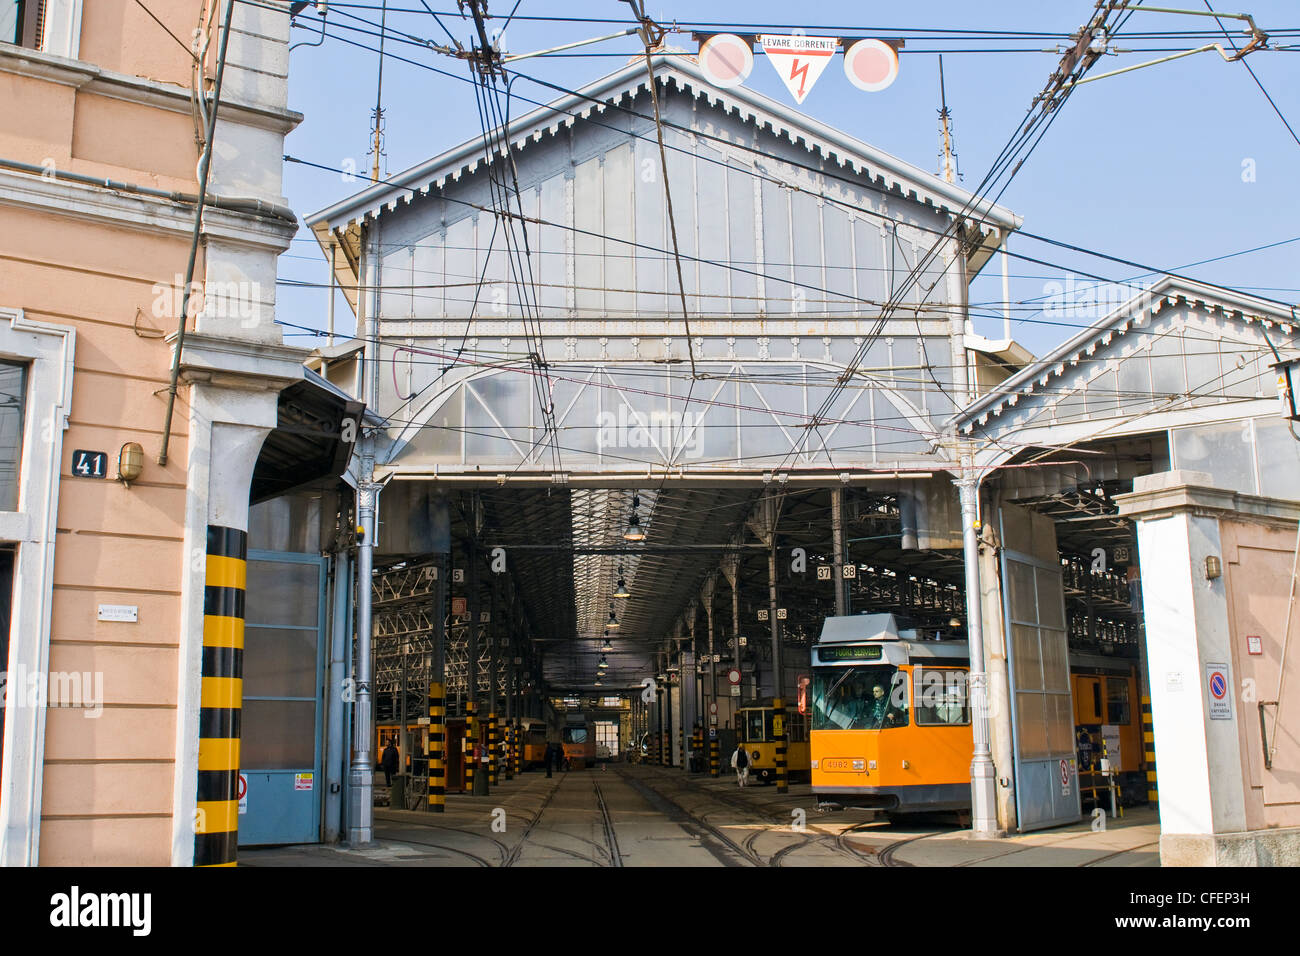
<point>147,213</point>
<point>240,363</point>
<point>1167,493</point>
<point>136,89</point>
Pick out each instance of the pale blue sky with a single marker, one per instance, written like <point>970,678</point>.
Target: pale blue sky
<point>1146,166</point>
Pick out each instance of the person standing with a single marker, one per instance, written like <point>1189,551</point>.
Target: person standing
<point>740,763</point>
<point>388,761</point>
<point>548,757</point>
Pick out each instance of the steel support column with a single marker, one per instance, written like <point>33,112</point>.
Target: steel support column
<point>984,820</point>
<point>362,773</point>
<point>778,671</point>
<point>838,543</point>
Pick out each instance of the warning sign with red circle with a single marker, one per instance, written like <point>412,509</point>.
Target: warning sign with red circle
<point>733,675</point>
<point>725,60</point>
<point>871,65</point>
<point>1216,682</point>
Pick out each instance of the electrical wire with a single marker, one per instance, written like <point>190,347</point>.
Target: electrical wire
<point>817,194</point>
<point>1247,65</point>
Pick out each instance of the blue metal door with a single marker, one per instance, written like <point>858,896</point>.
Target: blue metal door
<point>1042,709</point>
<point>284,661</point>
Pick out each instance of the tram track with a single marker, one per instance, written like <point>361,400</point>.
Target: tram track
<point>726,850</point>
<point>815,835</point>
<point>478,860</point>
<point>611,836</point>
<point>1111,856</point>
<point>513,857</point>
<point>746,848</point>
<point>508,854</point>
<point>885,856</point>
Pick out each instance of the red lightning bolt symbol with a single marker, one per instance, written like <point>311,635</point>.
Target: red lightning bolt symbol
<point>801,73</point>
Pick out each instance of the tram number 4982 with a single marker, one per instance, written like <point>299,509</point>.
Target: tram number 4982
<point>90,464</point>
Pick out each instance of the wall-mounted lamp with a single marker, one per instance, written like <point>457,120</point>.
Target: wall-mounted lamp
<point>130,463</point>
<point>1213,567</point>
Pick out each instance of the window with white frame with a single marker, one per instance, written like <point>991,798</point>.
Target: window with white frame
<point>52,26</point>
<point>13,379</point>
<point>21,21</point>
<point>607,735</point>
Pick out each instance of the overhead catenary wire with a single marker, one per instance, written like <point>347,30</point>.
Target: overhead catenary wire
<point>485,66</point>
<point>1004,187</point>
<point>704,135</point>
<point>931,434</point>
<point>1253,76</point>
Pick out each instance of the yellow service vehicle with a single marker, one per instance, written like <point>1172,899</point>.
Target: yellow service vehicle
<point>755,727</point>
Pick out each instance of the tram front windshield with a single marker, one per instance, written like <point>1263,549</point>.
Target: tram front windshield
<point>755,726</point>
<point>575,735</point>
<point>859,698</point>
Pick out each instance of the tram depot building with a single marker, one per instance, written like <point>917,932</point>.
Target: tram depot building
<point>1138,487</point>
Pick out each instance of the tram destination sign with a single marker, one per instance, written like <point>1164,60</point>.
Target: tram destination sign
<point>861,652</point>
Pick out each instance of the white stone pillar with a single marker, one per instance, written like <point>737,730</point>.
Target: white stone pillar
<point>1188,634</point>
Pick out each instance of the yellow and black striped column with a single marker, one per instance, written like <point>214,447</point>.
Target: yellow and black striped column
<point>216,818</point>
<point>1149,752</point>
<point>778,715</point>
<point>697,740</point>
<point>471,741</point>
<point>494,751</point>
<point>713,755</point>
<point>437,748</point>
<point>508,743</point>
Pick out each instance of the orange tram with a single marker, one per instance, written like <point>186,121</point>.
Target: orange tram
<point>891,721</point>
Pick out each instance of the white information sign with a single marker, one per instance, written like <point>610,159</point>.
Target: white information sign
<point>130,613</point>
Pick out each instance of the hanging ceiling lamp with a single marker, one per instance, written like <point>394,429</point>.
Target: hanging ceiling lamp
<point>621,590</point>
<point>634,532</point>
<point>607,646</point>
<point>603,663</point>
<point>613,621</point>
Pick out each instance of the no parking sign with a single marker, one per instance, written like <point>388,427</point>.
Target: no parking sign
<point>1216,682</point>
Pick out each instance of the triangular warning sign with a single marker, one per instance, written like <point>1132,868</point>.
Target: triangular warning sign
<point>798,60</point>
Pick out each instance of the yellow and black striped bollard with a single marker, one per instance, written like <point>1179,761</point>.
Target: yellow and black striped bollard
<point>508,733</point>
<point>216,819</point>
<point>1149,752</point>
<point>437,748</point>
<point>713,755</point>
<point>494,751</point>
<point>778,721</point>
<point>471,742</point>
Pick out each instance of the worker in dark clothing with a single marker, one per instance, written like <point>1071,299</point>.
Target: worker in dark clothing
<point>559,756</point>
<point>389,763</point>
<point>548,757</point>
